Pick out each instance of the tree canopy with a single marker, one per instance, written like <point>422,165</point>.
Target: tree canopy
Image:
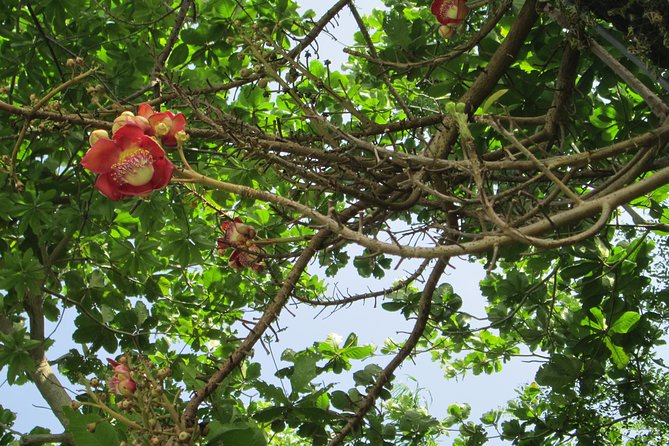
<point>175,173</point>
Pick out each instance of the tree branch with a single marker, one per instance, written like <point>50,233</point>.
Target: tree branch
<point>385,375</point>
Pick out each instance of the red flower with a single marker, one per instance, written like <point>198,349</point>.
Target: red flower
<point>249,256</point>
<point>129,164</point>
<point>450,12</point>
<point>121,383</point>
<point>235,234</point>
<point>166,125</point>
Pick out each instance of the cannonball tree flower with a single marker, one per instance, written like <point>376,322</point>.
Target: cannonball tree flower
<point>235,234</point>
<point>128,164</point>
<point>166,125</point>
<point>121,382</point>
<point>450,12</point>
<point>248,256</point>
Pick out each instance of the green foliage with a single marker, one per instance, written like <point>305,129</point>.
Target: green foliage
<point>417,147</point>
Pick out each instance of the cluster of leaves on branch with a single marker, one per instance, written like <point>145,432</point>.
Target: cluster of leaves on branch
<point>530,136</point>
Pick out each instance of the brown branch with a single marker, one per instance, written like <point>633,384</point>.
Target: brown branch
<point>172,39</point>
<point>586,210</point>
<point>657,106</point>
<point>36,439</point>
<point>318,27</point>
<point>424,306</point>
<point>372,294</point>
<point>43,376</point>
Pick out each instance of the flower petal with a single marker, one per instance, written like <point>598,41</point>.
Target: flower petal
<point>101,156</point>
<point>179,122</point>
<point>128,135</point>
<point>450,12</point>
<point>110,188</point>
<point>157,118</point>
<point>145,110</point>
<point>150,145</point>
<point>162,173</point>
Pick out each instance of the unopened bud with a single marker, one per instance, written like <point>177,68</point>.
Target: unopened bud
<point>96,135</point>
<point>446,31</point>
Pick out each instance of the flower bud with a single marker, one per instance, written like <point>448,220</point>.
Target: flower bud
<point>446,31</point>
<point>96,135</point>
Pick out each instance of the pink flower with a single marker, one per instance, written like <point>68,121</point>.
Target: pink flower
<point>235,234</point>
<point>249,256</point>
<point>450,12</point>
<point>121,383</point>
<point>165,125</point>
<point>129,164</point>
<point>119,369</point>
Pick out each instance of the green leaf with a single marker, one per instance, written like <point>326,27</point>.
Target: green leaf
<point>561,371</point>
<point>618,355</point>
<point>492,99</point>
<point>304,370</point>
<point>235,434</point>
<point>625,322</point>
<point>340,400</point>
<point>179,55</point>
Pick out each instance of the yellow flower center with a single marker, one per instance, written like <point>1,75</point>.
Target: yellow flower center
<point>134,167</point>
<point>163,128</point>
